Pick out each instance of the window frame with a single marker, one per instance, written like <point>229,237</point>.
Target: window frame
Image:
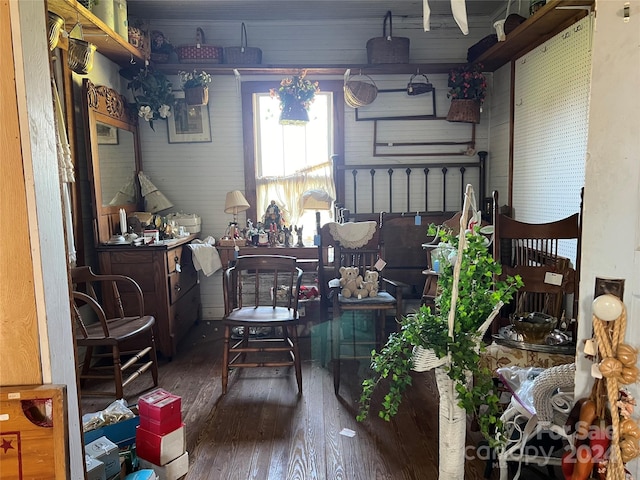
<point>248,89</point>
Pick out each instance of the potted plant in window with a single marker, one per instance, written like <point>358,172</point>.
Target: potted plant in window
<point>467,91</point>
<point>152,93</point>
<point>296,95</point>
<point>448,340</point>
<point>196,87</point>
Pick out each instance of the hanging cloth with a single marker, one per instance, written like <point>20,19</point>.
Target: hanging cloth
<point>459,10</point>
<point>65,172</point>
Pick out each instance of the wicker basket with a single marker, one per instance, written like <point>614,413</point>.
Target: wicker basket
<point>81,52</point>
<point>388,49</point>
<point>200,52</point>
<point>196,95</point>
<point>55,23</point>
<point>243,54</point>
<point>464,110</point>
<point>358,93</point>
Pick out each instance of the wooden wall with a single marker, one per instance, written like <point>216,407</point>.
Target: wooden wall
<point>18,317</point>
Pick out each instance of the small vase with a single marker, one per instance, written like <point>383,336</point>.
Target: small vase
<point>196,95</point>
<point>293,113</point>
<point>464,110</point>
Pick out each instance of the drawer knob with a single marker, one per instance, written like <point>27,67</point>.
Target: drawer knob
<point>177,287</point>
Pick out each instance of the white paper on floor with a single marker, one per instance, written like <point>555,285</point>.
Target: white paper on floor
<point>347,432</point>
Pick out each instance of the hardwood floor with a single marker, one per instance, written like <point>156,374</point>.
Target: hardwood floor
<point>263,430</point>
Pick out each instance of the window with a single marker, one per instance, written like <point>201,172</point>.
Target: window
<point>287,161</point>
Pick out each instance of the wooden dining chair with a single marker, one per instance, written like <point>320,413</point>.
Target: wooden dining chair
<point>533,252</point>
<point>117,337</point>
<point>261,296</point>
<point>389,299</point>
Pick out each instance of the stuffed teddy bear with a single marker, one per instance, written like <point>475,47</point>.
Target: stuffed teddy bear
<point>351,283</point>
<point>371,282</point>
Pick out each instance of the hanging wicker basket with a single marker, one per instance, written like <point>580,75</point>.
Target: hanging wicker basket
<point>55,23</point>
<point>196,95</point>
<point>358,93</point>
<point>293,113</point>
<point>464,110</point>
<point>80,55</point>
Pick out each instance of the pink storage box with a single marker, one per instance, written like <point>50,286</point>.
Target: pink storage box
<point>160,449</point>
<point>160,412</point>
<point>162,427</point>
<point>158,405</point>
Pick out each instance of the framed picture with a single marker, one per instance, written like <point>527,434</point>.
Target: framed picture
<point>188,123</point>
<point>107,134</point>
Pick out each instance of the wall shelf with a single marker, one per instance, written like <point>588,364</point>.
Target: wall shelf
<point>551,19</point>
<point>381,69</point>
<point>107,41</point>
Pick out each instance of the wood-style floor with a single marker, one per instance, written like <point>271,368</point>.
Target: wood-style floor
<point>263,430</point>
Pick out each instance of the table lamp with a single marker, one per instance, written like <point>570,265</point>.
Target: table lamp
<point>317,200</point>
<point>235,203</point>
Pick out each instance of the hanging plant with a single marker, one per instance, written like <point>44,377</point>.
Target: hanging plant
<point>196,87</point>
<point>296,94</point>
<point>467,91</point>
<point>478,296</point>
<point>152,94</point>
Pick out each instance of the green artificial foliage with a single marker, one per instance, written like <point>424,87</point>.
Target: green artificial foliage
<point>152,93</point>
<point>478,294</point>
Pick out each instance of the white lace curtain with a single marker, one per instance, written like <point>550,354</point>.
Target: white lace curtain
<point>287,191</point>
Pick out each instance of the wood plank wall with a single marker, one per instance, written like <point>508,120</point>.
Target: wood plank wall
<point>18,320</point>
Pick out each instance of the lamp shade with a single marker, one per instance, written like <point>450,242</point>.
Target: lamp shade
<point>235,202</point>
<point>316,200</point>
<point>154,200</point>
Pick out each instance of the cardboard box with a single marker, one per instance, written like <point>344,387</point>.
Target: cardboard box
<point>160,449</point>
<point>122,433</point>
<point>159,404</point>
<point>107,452</point>
<point>94,468</point>
<point>164,426</point>
<point>172,470</point>
<point>160,412</point>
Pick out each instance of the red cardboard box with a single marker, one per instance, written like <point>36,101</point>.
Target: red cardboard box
<point>159,405</point>
<point>160,449</point>
<point>162,427</point>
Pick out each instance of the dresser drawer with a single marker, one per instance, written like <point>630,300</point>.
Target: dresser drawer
<point>180,283</point>
<point>179,256</point>
<point>184,313</point>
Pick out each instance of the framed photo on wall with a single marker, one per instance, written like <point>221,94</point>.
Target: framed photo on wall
<point>188,124</point>
<point>107,134</point>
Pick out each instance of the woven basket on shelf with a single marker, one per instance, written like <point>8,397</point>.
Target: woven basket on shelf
<point>387,48</point>
<point>243,55</point>
<point>199,52</point>
<point>358,93</point>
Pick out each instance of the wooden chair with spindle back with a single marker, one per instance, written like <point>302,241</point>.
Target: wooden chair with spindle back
<point>115,342</point>
<point>261,292</point>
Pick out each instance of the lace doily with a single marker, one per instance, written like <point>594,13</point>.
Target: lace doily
<point>352,235</point>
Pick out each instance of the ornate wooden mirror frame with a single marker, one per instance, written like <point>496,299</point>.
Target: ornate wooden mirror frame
<point>113,156</point>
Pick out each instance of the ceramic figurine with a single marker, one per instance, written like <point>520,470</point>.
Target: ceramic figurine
<point>299,235</point>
